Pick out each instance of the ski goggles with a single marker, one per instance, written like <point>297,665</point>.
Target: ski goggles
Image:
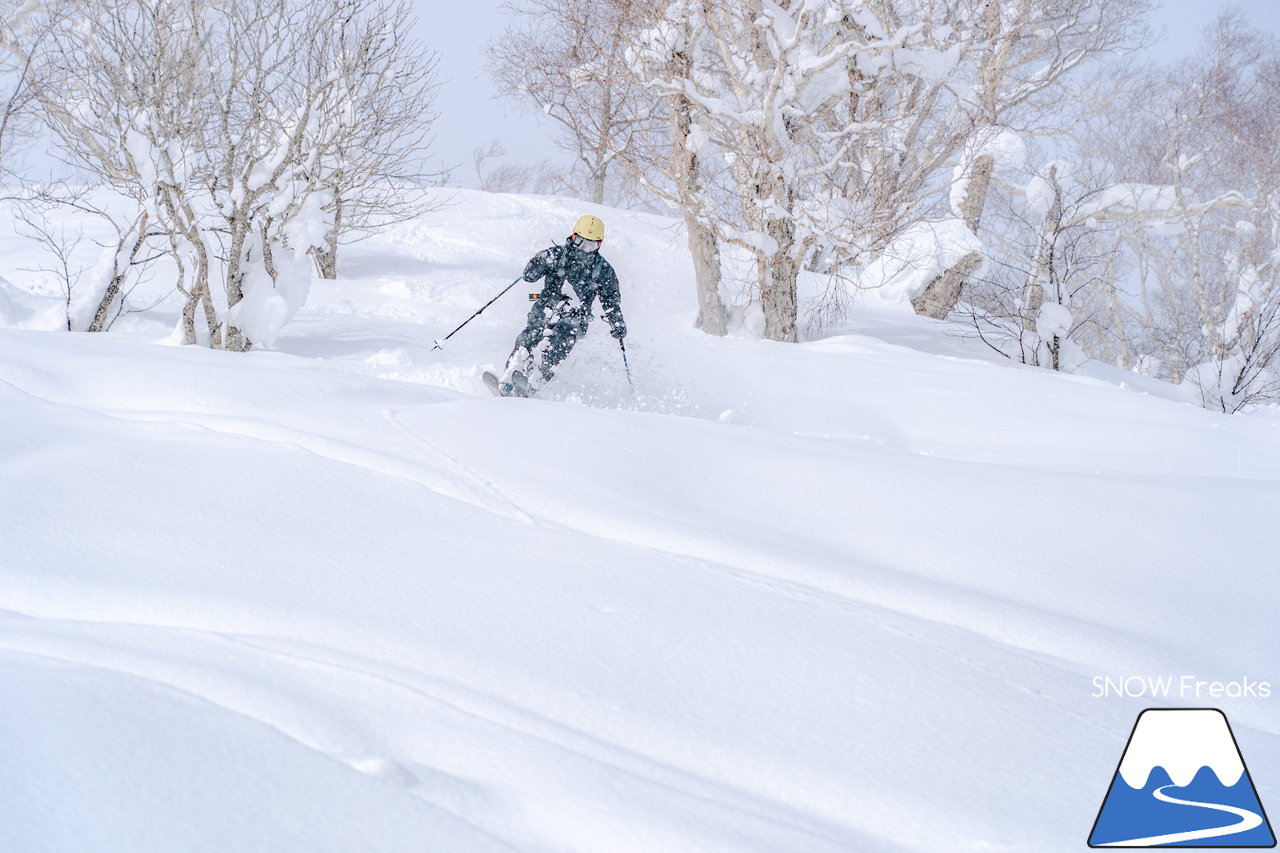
<point>582,244</point>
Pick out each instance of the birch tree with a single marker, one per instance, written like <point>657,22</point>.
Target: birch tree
<point>811,109</point>
<point>113,91</point>
<point>1211,277</point>
<point>211,115</point>
<point>677,172</point>
<point>1020,54</point>
<point>566,58</point>
<point>96,297</point>
<point>377,127</point>
<point>1047,294</point>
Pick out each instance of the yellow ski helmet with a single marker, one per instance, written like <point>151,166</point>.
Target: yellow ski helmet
<point>590,227</point>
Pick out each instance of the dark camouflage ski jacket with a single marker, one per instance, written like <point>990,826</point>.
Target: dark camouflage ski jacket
<point>587,275</point>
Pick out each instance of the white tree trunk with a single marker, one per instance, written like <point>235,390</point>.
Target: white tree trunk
<point>326,258</point>
<point>1045,271</point>
<point>779,292</point>
<point>941,296</point>
<point>712,318</point>
<point>703,245</point>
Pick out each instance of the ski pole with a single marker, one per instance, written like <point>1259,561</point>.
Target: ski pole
<point>626,365</point>
<point>440,342</point>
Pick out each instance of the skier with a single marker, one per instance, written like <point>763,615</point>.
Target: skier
<point>575,274</point>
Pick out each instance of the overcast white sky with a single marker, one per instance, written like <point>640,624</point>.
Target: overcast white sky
<point>471,116</point>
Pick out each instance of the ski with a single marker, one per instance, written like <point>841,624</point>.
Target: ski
<point>519,385</point>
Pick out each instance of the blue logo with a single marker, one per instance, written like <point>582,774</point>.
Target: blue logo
<point>1182,782</point>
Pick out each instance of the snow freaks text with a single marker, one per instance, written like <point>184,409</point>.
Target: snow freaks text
<point>1177,687</point>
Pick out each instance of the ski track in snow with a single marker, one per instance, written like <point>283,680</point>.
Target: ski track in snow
<point>415,468</point>
<point>481,483</point>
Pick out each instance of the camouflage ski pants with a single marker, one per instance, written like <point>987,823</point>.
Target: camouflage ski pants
<point>547,339</point>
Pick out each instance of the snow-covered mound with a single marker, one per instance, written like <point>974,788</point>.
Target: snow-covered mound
<point>843,595</point>
<point>17,306</point>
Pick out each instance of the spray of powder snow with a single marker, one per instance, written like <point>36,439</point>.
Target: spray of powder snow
<point>594,375</point>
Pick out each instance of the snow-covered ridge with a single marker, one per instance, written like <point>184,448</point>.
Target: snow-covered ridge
<point>1181,741</point>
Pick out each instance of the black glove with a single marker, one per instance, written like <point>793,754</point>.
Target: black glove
<point>619,330</point>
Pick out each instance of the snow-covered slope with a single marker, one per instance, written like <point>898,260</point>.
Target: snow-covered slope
<point>845,595</point>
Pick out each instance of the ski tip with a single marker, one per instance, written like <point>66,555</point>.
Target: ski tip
<point>492,382</point>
